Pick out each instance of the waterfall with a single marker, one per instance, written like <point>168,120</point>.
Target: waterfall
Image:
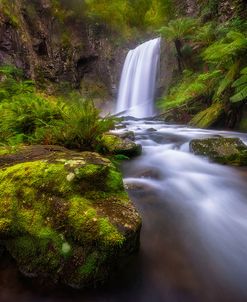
<point>137,84</point>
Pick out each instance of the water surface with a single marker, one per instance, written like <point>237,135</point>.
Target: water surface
<point>194,234</point>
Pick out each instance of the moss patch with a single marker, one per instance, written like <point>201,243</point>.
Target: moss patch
<point>223,150</point>
<point>59,215</point>
<point>116,145</point>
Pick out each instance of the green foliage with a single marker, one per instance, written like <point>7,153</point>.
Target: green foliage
<point>220,50</point>
<point>191,86</point>
<point>208,117</point>
<point>23,117</point>
<point>204,35</point>
<point>81,125</point>
<point>180,28</point>
<point>240,86</point>
<point>229,48</point>
<point>125,15</point>
<point>227,79</point>
<point>29,117</point>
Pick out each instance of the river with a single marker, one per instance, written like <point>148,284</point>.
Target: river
<point>194,234</point>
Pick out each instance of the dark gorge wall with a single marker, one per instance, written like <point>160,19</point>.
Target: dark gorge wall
<point>54,46</point>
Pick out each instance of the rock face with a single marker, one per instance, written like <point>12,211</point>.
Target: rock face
<point>52,45</point>
<point>231,151</point>
<point>64,216</point>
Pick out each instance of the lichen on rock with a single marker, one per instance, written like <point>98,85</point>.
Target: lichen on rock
<point>61,215</point>
<point>231,151</point>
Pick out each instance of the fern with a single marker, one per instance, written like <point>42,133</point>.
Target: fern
<point>180,28</point>
<point>192,86</point>
<point>204,35</point>
<point>233,45</point>
<point>208,117</point>
<point>82,126</point>
<point>240,86</point>
<point>227,80</point>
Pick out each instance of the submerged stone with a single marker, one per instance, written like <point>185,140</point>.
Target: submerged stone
<point>64,215</point>
<point>231,151</point>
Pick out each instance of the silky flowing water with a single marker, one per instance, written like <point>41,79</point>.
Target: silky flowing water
<point>194,234</point>
<point>137,85</point>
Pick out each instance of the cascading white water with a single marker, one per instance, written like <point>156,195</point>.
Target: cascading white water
<point>137,85</point>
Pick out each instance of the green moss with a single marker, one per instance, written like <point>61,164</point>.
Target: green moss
<point>57,216</point>
<point>40,176</point>
<point>8,150</point>
<point>110,142</point>
<point>34,255</point>
<point>82,220</point>
<point>90,171</point>
<point>231,151</point>
<point>108,233</point>
<point>88,226</point>
<point>90,266</point>
<point>115,145</point>
<point>114,181</point>
<point>5,225</point>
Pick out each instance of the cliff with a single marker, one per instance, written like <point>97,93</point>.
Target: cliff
<point>57,48</point>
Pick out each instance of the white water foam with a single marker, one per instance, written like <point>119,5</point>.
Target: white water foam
<point>137,85</point>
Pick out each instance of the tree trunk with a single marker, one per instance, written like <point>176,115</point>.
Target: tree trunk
<point>178,46</point>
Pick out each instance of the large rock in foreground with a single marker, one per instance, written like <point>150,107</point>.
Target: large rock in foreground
<point>64,216</point>
<point>231,151</point>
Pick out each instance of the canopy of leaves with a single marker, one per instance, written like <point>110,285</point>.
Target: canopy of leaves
<point>180,28</point>
<point>124,15</point>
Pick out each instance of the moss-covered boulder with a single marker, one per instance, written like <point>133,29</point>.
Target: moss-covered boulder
<point>115,144</point>
<point>231,151</point>
<point>64,215</point>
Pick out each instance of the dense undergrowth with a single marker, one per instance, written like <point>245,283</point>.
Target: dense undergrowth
<point>212,68</point>
<point>29,117</point>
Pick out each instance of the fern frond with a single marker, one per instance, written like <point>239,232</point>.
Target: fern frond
<point>228,79</point>
<point>240,96</point>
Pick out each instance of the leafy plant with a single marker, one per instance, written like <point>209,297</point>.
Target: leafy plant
<point>24,116</point>
<point>177,31</point>
<point>240,86</point>
<point>81,125</point>
<point>192,86</point>
<point>204,36</point>
<point>229,48</point>
<point>209,116</point>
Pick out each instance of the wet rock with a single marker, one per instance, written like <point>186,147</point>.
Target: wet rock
<point>231,151</point>
<point>151,130</point>
<point>64,215</point>
<point>127,134</point>
<point>114,144</point>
